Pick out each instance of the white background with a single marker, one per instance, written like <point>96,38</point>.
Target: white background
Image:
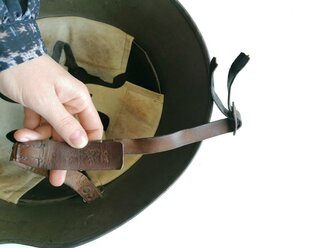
<point>268,186</point>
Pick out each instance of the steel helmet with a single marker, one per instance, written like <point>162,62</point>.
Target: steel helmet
<point>169,58</point>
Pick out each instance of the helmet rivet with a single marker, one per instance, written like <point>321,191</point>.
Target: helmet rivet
<point>86,190</point>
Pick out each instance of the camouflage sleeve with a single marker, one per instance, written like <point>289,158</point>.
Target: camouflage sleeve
<point>20,38</point>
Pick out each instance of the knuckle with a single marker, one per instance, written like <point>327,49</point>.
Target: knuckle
<point>83,88</point>
<point>83,93</point>
<point>66,123</point>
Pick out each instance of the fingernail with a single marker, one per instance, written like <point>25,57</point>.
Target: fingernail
<point>57,177</point>
<point>23,139</point>
<point>78,139</point>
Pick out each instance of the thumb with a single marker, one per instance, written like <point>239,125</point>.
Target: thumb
<point>66,125</point>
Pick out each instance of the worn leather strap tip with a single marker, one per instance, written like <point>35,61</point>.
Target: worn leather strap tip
<point>83,186</point>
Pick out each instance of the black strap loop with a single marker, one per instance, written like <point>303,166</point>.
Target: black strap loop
<point>57,52</point>
<point>235,68</point>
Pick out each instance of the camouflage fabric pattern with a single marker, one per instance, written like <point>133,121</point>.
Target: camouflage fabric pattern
<point>20,38</point>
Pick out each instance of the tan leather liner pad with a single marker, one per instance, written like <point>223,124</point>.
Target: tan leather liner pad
<point>99,48</point>
<point>134,112</point>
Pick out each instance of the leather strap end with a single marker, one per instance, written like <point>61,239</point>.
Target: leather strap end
<point>83,186</point>
<point>52,155</point>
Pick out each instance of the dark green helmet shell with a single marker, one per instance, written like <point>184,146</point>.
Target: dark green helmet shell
<point>169,36</point>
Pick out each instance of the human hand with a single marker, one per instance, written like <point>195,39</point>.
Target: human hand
<point>55,104</point>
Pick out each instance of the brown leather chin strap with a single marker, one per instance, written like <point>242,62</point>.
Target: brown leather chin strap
<point>44,155</point>
<point>108,154</point>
